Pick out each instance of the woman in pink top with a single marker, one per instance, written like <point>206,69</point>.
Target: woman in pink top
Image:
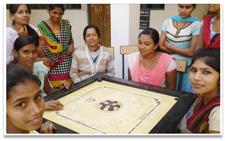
<point>150,66</point>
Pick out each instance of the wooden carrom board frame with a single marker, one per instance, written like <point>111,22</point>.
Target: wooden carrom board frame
<point>159,117</point>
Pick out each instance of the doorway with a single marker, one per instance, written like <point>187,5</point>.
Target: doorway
<point>99,14</point>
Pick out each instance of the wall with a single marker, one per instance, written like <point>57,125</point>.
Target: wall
<point>119,32</point>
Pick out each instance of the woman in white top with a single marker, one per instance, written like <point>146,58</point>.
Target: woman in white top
<point>179,38</point>
<point>20,15</point>
<point>25,53</point>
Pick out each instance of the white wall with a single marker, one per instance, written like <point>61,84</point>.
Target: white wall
<point>134,23</point>
<point>119,32</point>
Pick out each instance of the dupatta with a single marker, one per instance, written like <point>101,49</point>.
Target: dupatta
<point>57,46</point>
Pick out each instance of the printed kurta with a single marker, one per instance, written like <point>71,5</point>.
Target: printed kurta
<point>56,47</point>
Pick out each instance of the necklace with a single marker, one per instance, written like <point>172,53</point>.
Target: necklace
<point>179,28</point>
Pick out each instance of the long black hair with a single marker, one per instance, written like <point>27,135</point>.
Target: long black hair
<point>22,41</point>
<point>16,74</point>
<point>13,9</point>
<point>153,34</point>
<point>211,57</point>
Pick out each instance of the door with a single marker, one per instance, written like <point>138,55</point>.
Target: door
<point>99,14</point>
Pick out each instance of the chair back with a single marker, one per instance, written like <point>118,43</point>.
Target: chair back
<point>125,50</point>
<point>111,50</point>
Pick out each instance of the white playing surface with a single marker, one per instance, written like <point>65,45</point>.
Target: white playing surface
<point>140,110</point>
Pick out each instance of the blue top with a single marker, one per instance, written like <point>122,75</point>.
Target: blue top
<point>180,19</point>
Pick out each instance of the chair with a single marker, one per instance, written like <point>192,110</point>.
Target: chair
<point>111,50</point>
<point>181,68</point>
<point>125,50</point>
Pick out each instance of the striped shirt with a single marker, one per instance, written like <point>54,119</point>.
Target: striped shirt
<point>83,66</point>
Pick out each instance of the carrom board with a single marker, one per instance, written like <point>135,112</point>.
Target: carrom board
<point>108,105</point>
